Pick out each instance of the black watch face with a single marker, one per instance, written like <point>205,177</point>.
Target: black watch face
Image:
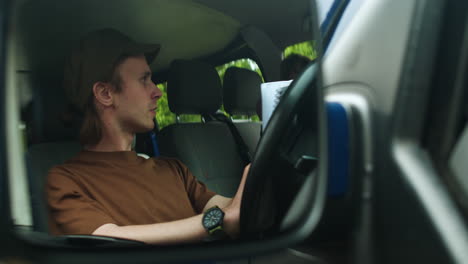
<point>212,218</point>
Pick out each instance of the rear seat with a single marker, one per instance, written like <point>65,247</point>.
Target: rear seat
<point>207,148</point>
<point>241,91</point>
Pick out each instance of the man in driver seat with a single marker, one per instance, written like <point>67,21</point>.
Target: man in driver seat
<point>106,189</point>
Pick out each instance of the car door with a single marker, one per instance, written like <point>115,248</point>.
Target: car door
<point>421,213</point>
<point>404,64</point>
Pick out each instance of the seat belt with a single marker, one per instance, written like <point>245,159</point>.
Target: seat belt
<point>242,148</point>
<point>147,143</point>
<point>154,144</point>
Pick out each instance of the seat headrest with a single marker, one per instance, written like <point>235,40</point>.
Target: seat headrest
<point>193,87</point>
<point>49,105</point>
<point>241,89</point>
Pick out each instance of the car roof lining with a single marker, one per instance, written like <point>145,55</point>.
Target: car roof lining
<point>201,31</point>
<point>283,22</point>
<point>47,29</point>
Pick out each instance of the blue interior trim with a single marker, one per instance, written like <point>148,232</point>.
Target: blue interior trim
<point>326,22</point>
<point>338,149</point>
<point>330,23</point>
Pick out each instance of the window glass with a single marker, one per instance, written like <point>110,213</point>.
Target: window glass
<point>242,63</point>
<point>296,58</point>
<point>306,48</point>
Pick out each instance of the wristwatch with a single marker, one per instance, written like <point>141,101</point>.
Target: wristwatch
<point>213,223</point>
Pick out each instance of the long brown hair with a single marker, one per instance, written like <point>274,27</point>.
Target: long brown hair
<point>91,124</point>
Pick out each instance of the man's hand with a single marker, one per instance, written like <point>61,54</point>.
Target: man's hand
<point>232,211</point>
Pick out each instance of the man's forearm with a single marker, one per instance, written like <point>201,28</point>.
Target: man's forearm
<point>185,230</point>
<point>175,232</point>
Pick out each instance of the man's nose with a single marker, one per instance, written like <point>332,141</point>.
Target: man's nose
<point>156,93</point>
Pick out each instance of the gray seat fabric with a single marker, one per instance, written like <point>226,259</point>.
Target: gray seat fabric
<point>40,158</point>
<point>208,149</point>
<point>209,152</point>
<point>241,92</point>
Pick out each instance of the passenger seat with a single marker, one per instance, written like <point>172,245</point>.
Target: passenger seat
<point>207,148</point>
<point>241,92</point>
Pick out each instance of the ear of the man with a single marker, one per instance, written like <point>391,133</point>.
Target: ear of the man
<point>103,93</point>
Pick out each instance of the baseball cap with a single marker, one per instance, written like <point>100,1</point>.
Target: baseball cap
<point>93,60</point>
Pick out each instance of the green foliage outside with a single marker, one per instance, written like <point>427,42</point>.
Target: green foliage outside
<point>165,117</point>
<point>304,48</point>
<point>242,63</point>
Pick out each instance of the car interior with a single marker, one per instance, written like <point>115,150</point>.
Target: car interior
<point>216,149</point>
<point>354,166</point>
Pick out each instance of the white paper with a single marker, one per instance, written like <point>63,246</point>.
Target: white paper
<point>271,95</point>
<point>458,162</point>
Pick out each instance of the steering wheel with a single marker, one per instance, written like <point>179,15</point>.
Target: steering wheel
<point>279,169</point>
<point>91,241</point>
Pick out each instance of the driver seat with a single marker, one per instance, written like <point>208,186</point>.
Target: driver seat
<point>51,143</point>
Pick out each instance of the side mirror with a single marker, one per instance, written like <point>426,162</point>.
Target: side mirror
<point>282,204</point>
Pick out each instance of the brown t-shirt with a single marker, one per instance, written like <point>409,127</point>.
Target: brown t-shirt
<point>96,188</point>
